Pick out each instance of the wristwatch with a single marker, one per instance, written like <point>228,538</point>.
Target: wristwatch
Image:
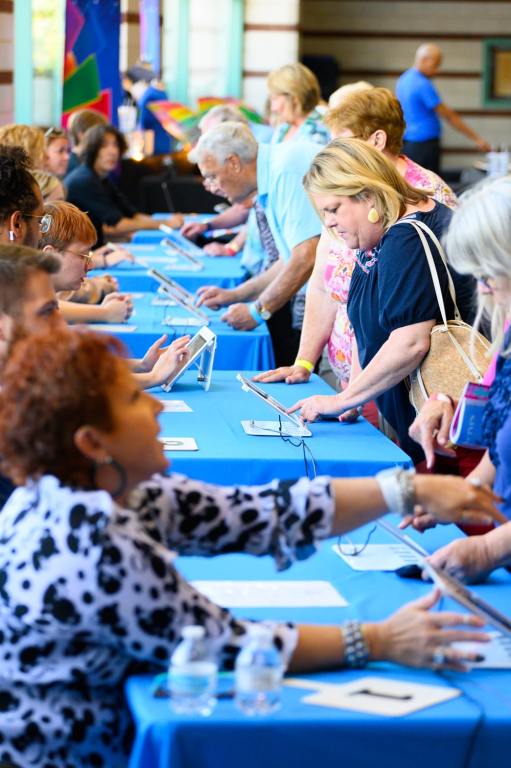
<point>265,313</point>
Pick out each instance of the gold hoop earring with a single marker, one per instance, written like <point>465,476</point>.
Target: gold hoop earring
<point>373,216</point>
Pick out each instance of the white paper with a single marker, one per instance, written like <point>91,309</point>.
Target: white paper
<point>378,557</point>
<point>111,327</point>
<point>380,696</point>
<point>497,653</point>
<point>175,406</point>
<point>269,594</point>
<point>179,443</point>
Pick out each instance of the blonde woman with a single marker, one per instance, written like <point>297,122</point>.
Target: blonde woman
<point>374,115</point>
<point>50,185</point>
<point>294,95</point>
<point>29,137</point>
<point>392,304</point>
<point>57,151</point>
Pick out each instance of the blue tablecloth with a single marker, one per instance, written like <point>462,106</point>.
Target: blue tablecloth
<point>152,235</point>
<point>471,731</point>
<point>224,271</point>
<point>227,455</point>
<point>250,350</point>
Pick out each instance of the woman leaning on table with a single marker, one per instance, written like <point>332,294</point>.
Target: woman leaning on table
<point>87,580</point>
<point>374,115</point>
<point>392,304</point>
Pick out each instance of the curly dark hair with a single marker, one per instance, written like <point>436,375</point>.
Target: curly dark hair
<point>54,383</point>
<point>16,182</point>
<point>93,140</point>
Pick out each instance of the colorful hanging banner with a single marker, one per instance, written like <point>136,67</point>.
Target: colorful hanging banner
<point>182,123</point>
<point>91,60</point>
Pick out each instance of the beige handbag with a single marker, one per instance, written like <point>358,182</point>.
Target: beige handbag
<point>457,352</point>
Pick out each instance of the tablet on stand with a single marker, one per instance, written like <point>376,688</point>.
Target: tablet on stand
<point>202,348</point>
<point>184,298</point>
<point>451,586</point>
<point>289,425</point>
<point>181,243</point>
<point>190,264</point>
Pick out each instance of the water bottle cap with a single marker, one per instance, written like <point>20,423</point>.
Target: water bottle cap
<point>193,632</point>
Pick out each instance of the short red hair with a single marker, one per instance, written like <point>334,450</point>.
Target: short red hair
<point>53,384</point>
<point>68,224</point>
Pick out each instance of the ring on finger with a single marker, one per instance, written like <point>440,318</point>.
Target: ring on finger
<point>475,481</point>
<point>439,656</point>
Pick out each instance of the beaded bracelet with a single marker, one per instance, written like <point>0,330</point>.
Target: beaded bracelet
<point>356,649</point>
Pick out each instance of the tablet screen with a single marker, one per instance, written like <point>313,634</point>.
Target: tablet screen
<point>269,399</point>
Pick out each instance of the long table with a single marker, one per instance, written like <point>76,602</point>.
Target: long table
<point>228,455</point>
<point>471,731</point>
<point>251,350</point>
<point>224,271</point>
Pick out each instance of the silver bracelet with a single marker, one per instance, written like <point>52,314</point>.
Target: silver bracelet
<point>356,650</point>
<point>398,490</point>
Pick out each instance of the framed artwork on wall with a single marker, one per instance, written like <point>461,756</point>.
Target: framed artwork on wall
<point>497,72</point>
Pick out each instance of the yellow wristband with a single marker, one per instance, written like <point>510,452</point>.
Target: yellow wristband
<point>305,364</point>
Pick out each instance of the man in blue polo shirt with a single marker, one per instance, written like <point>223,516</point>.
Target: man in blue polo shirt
<point>237,167</point>
<point>423,107</point>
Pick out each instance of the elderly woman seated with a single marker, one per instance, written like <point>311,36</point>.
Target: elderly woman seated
<point>88,585</point>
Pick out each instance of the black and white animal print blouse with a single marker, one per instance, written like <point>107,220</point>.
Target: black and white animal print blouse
<point>88,588</point>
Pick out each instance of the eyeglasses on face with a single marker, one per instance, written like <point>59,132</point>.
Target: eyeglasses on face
<point>44,221</point>
<point>85,256</point>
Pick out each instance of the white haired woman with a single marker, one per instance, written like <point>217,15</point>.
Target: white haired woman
<point>479,242</point>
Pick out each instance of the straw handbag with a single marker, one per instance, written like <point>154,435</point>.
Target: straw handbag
<point>457,352</point>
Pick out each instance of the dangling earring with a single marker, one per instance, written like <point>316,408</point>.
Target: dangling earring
<point>12,236</point>
<point>110,462</point>
<point>373,216</point>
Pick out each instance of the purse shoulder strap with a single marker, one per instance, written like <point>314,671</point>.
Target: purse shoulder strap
<point>420,228</point>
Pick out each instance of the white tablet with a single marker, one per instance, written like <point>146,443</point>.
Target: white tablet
<point>451,586</point>
<point>181,243</point>
<point>180,295</point>
<point>191,263</point>
<point>202,348</point>
<point>249,386</point>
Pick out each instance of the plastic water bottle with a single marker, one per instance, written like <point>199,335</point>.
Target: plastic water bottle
<point>258,673</point>
<point>493,163</point>
<point>192,675</point>
<point>504,161</point>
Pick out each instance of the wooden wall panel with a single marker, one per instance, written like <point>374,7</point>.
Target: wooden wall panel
<point>271,39</point>
<point>376,41</point>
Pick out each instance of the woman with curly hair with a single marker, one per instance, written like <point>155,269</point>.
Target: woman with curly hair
<point>87,579</point>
